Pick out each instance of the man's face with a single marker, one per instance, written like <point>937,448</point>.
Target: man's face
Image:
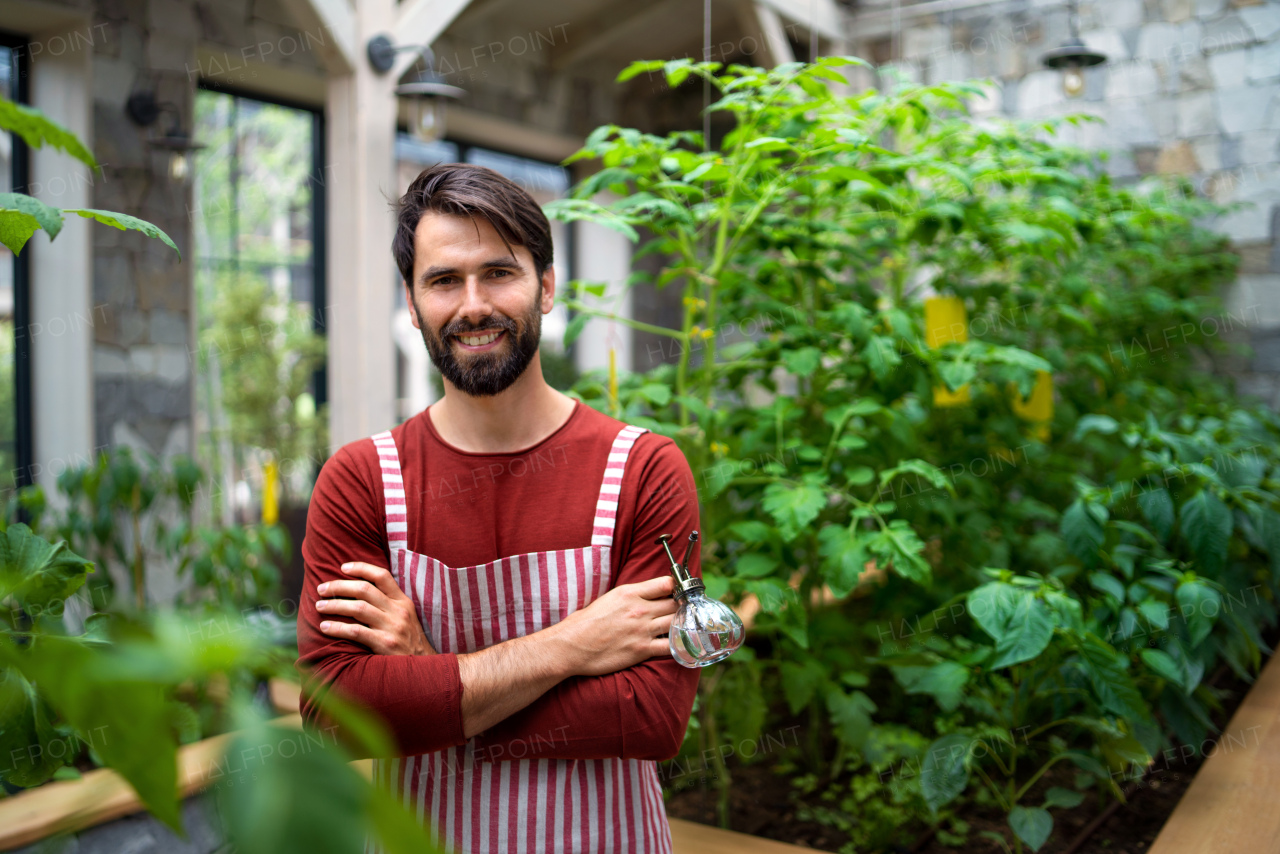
<point>468,285</point>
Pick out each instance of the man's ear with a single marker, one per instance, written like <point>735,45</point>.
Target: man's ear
<point>548,289</point>
<point>413,309</point>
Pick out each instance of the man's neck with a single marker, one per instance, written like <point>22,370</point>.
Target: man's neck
<point>521,416</point>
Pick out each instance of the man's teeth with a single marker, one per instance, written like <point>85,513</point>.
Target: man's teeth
<point>478,340</point>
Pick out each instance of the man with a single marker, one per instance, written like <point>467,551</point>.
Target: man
<point>486,577</point>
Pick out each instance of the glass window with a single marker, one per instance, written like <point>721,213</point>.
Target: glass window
<point>15,409</point>
<point>259,303</point>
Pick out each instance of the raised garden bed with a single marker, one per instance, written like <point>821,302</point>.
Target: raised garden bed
<point>1227,808</point>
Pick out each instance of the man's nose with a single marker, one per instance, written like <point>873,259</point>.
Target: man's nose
<point>476,305</point>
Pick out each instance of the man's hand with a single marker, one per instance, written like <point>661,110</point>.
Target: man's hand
<point>622,628</point>
<point>386,619</point>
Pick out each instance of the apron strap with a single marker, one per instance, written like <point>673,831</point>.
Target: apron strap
<point>611,485</point>
<point>393,495</point>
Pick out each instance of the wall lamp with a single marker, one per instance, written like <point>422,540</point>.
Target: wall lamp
<point>425,95</point>
<point>1072,56</point>
<point>144,110</point>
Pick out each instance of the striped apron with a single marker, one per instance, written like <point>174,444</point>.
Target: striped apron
<point>473,803</point>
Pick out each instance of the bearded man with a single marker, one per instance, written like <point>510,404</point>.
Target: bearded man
<point>486,577</point>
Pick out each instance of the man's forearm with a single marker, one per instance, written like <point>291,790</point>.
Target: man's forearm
<point>500,680</point>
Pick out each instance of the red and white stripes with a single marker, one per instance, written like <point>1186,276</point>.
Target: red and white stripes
<point>517,803</point>
<point>611,486</point>
<point>393,497</point>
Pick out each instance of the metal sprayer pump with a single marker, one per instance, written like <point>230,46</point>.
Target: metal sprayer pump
<point>703,630</point>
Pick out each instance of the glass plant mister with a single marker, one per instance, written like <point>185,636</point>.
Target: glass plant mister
<point>703,630</point>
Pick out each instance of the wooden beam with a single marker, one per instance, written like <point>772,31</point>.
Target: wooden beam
<point>333,23</point>
<point>820,15</point>
<point>597,34</point>
<point>502,134</point>
<point>755,17</point>
<point>420,22</point>
<point>360,123</point>
<point>690,837</point>
<point>483,10</point>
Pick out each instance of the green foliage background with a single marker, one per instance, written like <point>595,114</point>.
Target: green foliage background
<point>1072,582</point>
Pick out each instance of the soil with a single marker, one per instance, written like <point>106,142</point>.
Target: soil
<point>762,804</point>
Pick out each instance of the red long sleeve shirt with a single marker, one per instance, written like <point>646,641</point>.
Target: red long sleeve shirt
<point>472,508</point>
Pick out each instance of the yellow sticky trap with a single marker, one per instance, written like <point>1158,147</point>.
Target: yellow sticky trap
<point>945,321</point>
<point>1038,408</point>
<point>943,397</point>
<point>270,479</point>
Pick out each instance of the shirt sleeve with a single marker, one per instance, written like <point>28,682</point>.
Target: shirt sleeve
<point>641,712</point>
<point>418,698</point>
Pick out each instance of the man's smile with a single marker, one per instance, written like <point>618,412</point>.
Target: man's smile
<point>477,342</point>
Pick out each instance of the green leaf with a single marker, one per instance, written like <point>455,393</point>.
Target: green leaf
<point>920,468</point>
<point>1082,531</point>
<point>1200,606</point>
<point>1163,665</point>
<point>881,356</point>
<point>1156,612</point>
<point>944,682</point>
<point>1111,682</point>
<point>800,682</point>
<point>37,130</point>
<point>1108,584</point>
<point>754,565</point>
<point>944,772</point>
<point>126,719</point>
<point>27,734</point>
<point>38,574</point>
<point>957,374</point>
<point>802,362</point>
<point>1104,424</point>
<point>49,218</point>
<point>1206,525</point>
<point>575,326</point>
<point>773,594</point>
<point>16,229</point>
<point>1019,621</point>
<point>301,796</point>
<point>1026,634</point>
<point>655,393</point>
<point>1065,798</point>
<point>850,715</point>
<point>1032,824</point>
<point>902,547</point>
<point>126,222</point>
<point>640,66</point>
<point>1157,508</point>
<point>793,507</point>
<point>846,558</point>
<point>751,531</point>
<point>572,210</point>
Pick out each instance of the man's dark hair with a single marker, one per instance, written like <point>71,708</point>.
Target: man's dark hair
<point>464,189</point>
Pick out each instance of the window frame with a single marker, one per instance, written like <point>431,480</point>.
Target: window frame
<point>20,181</point>
<point>319,222</point>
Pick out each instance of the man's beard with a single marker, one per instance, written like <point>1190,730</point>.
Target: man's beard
<point>486,374</point>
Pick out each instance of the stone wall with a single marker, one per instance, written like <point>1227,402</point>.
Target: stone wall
<point>1191,87</point>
